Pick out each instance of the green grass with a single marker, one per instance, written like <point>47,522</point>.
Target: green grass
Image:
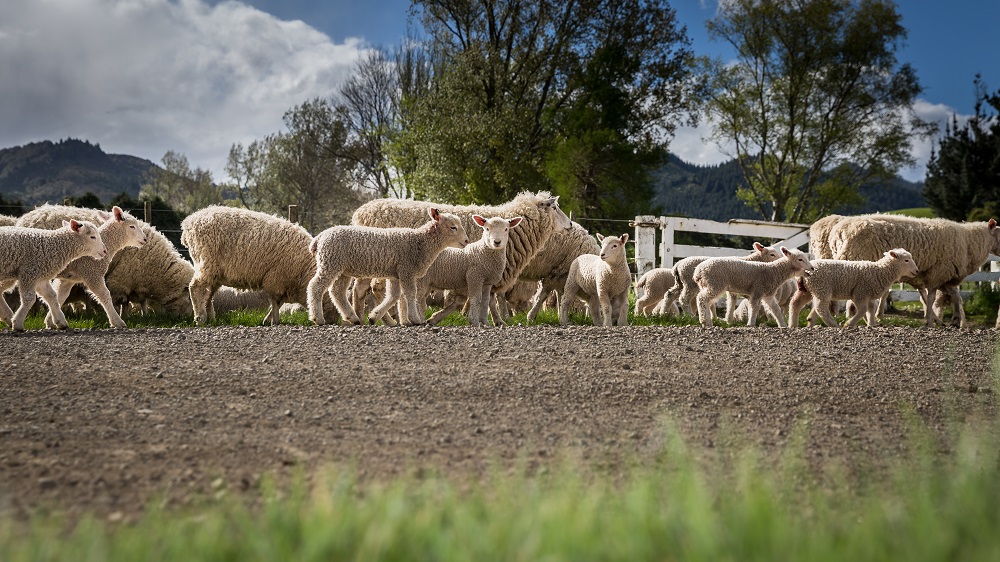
<point>918,212</point>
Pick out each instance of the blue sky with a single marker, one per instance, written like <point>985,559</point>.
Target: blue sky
<point>145,76</point>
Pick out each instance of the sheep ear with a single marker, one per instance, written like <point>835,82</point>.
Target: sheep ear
<point>993,224</point>
<point>514,222</point>
<point>624,238</point>
<point>891,254</point>
<point>600,237</point>
<point>75,226</point>
<point>785,251</point>
<point>118,213</point>
<point>433,212</point>
<point>103,215</point>
<point>479,220</point>
<point>759,247</point>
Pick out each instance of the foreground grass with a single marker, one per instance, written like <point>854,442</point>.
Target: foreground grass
<point>932,509</point>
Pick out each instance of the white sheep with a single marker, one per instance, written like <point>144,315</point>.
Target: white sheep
<point>946,251</point>
<point>401,255</point>
<point>33,256</point>
<point>654,284</point>
<point>758,280</point>
<point>685,290</point>
<point>470,272</point>
<point>247,250</point>
<point>7,220</point>
<point>605,279</point>
<point>782,296</point>
<point>819,236</point>
<point>861,282</point>
<point>551,264</point>
<point>119,230</point>
<point>541,218</point>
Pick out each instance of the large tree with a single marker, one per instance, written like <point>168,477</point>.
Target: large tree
<point>816,102</point>
<point>963,175</point>
<point>181,187</point>
<point>532,94</point>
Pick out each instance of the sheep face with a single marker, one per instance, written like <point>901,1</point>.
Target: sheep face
<point>91,236</point>
<point>799,260</point>
<point>135,236</point>
<point>908,266</point>
<point>451,225</point>
<point>613,248</point>
<point>496,231</point>
<point>995,236</point>
<point>766,253</point>
<point>551,206</point>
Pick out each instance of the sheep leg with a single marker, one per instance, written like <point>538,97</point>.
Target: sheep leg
<point>795,304</point>
<point>103,296</point>
<point>619,307</point>
<point>314,297</point>
<point>273,313</point>
<point>772,306</point>
<point>62,288</point>
<point>392,292</point>
<point>930,319</point>
<point>864,309</point>
<point>643,304</point>
<point>359,292</point>
<point>451,303</point>
<point>706,299</point>
<point>538,301</point>
<point>568,295</point>
<point>671,297</point>
<point>498,320</point>
<point>958,309</point>
<point>6,314</point>
<point>409,293</point>
<point>731,307</point>
<point>689,297</point>
<point>822,309</point>
<point>201,293</point>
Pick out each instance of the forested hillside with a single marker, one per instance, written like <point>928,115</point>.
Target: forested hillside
<point>52,171</point>
<point>709,192</point>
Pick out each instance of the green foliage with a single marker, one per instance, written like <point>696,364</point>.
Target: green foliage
<point>813,103</point>
<point>918,212</point>
<point>963,174</point>
<point>179,186</point>
<point>984,303</point>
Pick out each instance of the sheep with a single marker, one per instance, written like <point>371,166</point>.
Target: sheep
<point>946,251</point>
<point>606,279</point>
<point>471,271</point>
<point>227,299</point>
<point>551,264</point>
<point>541,213</point>
<point>119,230</point>
<point>655,283</point>
<point>685,290</point>
<point>862,282</point>
<point>33,256</point>
<point>758,280</point>
<point>782,295</point>
<point>402,255</point>
<point>819,236</point>
<point>247,249</point>
<point>7,220</point>
<point>521,296</point>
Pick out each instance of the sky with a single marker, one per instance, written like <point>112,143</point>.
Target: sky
<point>142,77</point>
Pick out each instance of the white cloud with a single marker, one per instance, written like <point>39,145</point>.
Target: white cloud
<point>145,76</point>
<point>935,113</point>
<point>691,145</point>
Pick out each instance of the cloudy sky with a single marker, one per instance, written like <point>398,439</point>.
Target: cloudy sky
<point>143,77</point>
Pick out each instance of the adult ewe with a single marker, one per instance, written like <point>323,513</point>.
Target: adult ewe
<point>247,250</point>
<point>946,251</point>
<point>551,264</point>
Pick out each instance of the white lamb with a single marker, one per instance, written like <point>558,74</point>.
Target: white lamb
<point>551,264</point>
<point>119,230</point>
<point>946,251</point>
<point>247,250</point>
<point>685,290</point>
<point>471,272</point>
<point>654,284</point>
<point>862,282</point>
<point>758,280</point>
<point>401,255</point>
<point>33,256</point>
<point>605,279</point>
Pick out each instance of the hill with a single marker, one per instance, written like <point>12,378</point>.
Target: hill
<point>49,172</point>
<point>709,192</point>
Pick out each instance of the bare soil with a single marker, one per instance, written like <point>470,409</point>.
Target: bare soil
<point>107,421</point>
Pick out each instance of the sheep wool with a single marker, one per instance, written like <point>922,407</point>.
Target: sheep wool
<point>605,279</point>
<point>7,220</point>
<point>33,256</point>
<point>946,251</point>
<point>402,255</point>
<point>551,264</point>
<point>758,280</point>
<point>685,290</point>
<point>247,250</point>
<point>862,282</point>
<point>654,284</point>
<point>819,236</point>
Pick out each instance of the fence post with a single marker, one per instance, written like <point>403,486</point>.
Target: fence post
<point>645,243</point>
<point>293,213</point>
<point>666,242</point>
<point>147,212</point>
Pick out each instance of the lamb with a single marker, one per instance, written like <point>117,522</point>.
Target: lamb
<point>471,272</point>
<point>247,250</point>
<point>685,290</point>
<point>606,279</point>
<point>402,255</point>
<point>551,264</point>
<point>862,282</point>
<point>33,256</point>
<point>759,280</point>
<point>541,213</point>
<point>655,283</point>
<point>119,230</point>
<point>783,295</point>
<point>946,251</point>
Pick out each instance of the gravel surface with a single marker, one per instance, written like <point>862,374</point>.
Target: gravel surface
<point>106,421</point>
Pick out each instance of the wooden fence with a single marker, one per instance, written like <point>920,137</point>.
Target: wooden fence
<point>649,254</point>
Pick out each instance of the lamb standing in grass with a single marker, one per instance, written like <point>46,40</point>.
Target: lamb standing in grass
<point>402,255</point>
<point>33,256</point>
<point>654,284</point>
<point>861,282</point>
<point>471,272</point>
<point>250,250</point>
<point>119,230</point>
<point>759,281</point>
<point>605,279</point>
<point>685,290</point>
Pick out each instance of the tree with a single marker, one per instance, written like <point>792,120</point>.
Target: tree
<point>963,174</point>
<point>816,103</point>
<point>513,84</point>
<point>11,207</point>
<point>179,186</point>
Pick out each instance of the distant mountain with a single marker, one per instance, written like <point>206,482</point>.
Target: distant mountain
<point>709,192</point>
<point>45,171</point>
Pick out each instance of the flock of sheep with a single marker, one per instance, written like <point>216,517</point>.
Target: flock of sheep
<point>397,252</point>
